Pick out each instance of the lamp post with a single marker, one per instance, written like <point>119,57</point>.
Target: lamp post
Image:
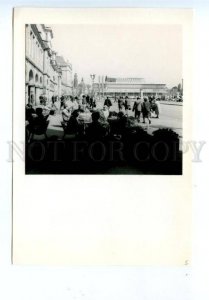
<point>92,78</point>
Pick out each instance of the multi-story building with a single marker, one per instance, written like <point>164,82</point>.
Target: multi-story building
<point>34,69</point>
<point>66,82</point>
<point>43,75</point>
<point>133,87</point>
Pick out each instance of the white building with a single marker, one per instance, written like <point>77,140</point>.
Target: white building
<point>66,82</point>
<point>133,87</point>
<point>43,75</point>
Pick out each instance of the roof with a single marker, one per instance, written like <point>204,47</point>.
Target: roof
<point>124,80</point>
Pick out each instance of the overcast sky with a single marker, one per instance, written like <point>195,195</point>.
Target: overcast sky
<point>153,52</point>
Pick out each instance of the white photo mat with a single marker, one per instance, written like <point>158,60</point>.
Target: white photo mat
<point>100,220</point>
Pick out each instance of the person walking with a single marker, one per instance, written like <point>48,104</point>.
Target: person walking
<point>137,108</point>
<point>146,110</point>
<point>127,105</point>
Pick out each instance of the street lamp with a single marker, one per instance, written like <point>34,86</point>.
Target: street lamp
<point>92,78</point>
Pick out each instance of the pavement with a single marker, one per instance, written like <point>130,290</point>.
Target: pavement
<point>171,103</point>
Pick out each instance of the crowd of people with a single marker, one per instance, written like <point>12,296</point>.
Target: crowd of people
<point>81,115</point>
<point>102,135</point>
<point>145,108</point>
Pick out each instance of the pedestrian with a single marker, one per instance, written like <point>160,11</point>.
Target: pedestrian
<point>120,103</point>
<point>53,100</point>
<point>108,103</point>
<point>73,104</point>
<point>87,99</point>
<point>127,105</point>
<point>90,101</point>
<point>62,100</point>
<point>146,110</point>
<point>66,113</point>
<point>157,111</point>
<point>84,101</point>
<point>137,108</point>
<point>94,102</point>
<point>106,112</point>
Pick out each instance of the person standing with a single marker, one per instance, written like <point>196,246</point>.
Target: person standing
<point>137,108</point>
<point>73,104</point>
<point>94,102</point>
<point>91,102</point>
<point>120,103</point>
<point>127,105</point>
<point>66,113</point>
<point>108,103</point>
<point>62,101</point>
<point>84,100</point>
<point>157,109</point>
<point>146,110</point>
<point>87,100</point>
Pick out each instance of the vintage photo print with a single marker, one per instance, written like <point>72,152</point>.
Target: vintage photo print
<point>102,92</point>
<point>103,98</point>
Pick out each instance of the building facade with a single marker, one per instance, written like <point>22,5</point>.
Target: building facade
<point>132,87</point>
<point>66,80</point>
<point>43,75</point>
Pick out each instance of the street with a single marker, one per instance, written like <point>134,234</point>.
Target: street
<point>170,117</point>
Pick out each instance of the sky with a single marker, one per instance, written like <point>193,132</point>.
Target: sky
<point>153,52</point>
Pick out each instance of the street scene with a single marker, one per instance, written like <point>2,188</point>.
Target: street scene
<point>89,123</point>
<point>170,117</point>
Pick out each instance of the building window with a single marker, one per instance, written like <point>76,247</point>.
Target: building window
<point>33,47</point>
<point>36,78</point>
<point>30,44</point>
<point>30,75</point>
<point>36,56</point>
<point>27,36</point>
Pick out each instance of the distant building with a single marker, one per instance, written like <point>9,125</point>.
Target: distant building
<point>114,87</point>
<point>43,75</point>
<point>66,68</point>
<point>176,92</point>
<point>75,81</point>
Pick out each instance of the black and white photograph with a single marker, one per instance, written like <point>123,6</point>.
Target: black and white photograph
<point>104,99</point>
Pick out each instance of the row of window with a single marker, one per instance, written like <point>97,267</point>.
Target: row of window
<point>34,49</point>
<point>38,79</point>
<point>49,69</point>
<point>36,53</point>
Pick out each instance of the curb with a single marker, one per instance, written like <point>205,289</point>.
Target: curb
<point>177,104</point>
